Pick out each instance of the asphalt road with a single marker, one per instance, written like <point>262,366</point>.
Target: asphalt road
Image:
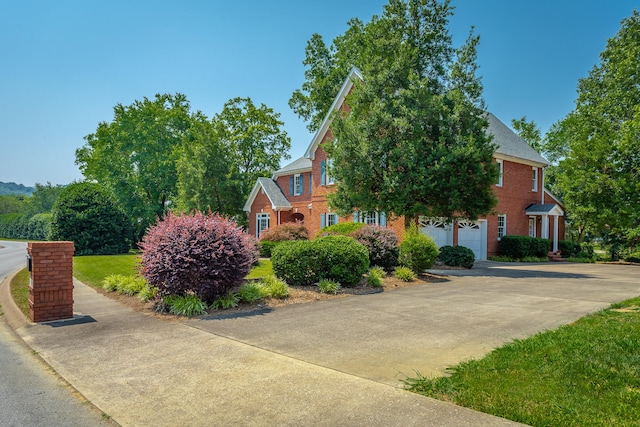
<point>30,393</point>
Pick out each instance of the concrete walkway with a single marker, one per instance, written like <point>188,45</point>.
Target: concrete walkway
<point>336,362</point>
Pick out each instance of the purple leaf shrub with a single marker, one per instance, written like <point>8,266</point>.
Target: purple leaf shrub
<point>285,232</point>
<point>196,253</point>
<point>382,244</point>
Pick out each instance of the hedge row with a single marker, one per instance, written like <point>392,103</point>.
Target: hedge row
<point>524,246</point>
<point>306,262</point>
<point>19,226</point>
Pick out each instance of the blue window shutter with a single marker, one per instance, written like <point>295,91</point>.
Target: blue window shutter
<point>322,221</point>
<point>291,185</point>
<point>301,184</point>
<point>310,183</point>
<point>323,175</point>
<point>383,219</point>
<point>337,219</point>
<point>356,216</point>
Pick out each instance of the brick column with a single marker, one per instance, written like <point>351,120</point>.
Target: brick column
<point>51,284</point>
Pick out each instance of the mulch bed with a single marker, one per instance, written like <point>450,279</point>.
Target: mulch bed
<point>297,295</point>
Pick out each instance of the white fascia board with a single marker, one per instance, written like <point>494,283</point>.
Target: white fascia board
<point>337,103</point>
<point>519,160</point>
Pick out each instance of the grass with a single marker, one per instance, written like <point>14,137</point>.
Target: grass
<point>93,269</point>
<point>20,291</point>
<point>262,270</point>
<point>583,374</point>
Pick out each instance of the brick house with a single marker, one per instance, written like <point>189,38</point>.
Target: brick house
<point>298,191</point>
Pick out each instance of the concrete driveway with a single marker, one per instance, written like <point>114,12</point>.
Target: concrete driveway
<point>388,336</point>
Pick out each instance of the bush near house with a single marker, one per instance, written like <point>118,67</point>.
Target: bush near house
<point>518,247</point>
<point>382,244</point>
<point>457,256</point>
<point>306,262</point>
<point>282,233</point>
<point>569,249</point>
<point>341,229</point>
<point>204,255</point>
<point>417,251</point>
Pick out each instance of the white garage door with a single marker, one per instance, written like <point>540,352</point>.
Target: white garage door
<point>473,235</point>
<point>438,229</point>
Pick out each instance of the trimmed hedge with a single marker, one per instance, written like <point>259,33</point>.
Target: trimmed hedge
<point>417,251</point>
<point>457,256</point>
<point>270,238</point>
<point>341,229</point>
<point>19,226</point>
<point>519,247</point>
<point>306,262</point>
<point>568,248</point>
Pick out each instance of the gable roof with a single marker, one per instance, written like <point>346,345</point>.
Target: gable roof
<point>277,198</point>
<point>546,209</point>
<point>302,164</point>
<point>510,145</point>
<point>354,74</point>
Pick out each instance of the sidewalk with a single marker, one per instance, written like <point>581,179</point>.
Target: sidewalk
<point>143,371</point>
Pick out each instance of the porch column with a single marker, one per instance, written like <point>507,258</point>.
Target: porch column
<point>545,227</point>
<point>555,233</point>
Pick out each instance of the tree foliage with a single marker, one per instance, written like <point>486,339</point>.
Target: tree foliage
<point>92,219</point>
<point>529,132</point>
<point>135,155</point>
<point>222,158</point>
<point>598,143</point>
<point>414,141</point>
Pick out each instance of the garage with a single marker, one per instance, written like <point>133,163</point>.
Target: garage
<point>438,229</point>
<point>473,235</point>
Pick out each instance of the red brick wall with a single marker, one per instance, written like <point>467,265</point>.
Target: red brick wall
<point>51,287</point>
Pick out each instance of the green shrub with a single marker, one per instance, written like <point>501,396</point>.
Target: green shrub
<point>185,305</point>
<point>457,256</point>
<point>375,277</point>
<point>633,257</point>
<point>586,251</point>
<point>329,286</point>
<point>111,282</point>
<point>249,293</point>
<point>341,229</point>
<point>273,287</point>
<point>229,300</point>
<point>519,247</point>
<point>338,258</point>
<point>405,274</point>
<point>417,251</point>
<point>569,248</point>
<point>266,247</point>
<point>90,217</point>
<point>148,293</point>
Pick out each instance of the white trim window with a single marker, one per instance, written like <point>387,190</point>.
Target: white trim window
<point>262,223</point>
<point>502,226</point>
<point>500,164</point>
<point>332,219</point>
<point>371,218</point>
<point>534,179</point>
<point>297,184</point>
<point>532,226</point>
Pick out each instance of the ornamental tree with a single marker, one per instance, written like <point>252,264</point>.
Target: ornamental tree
<point>413,141</point>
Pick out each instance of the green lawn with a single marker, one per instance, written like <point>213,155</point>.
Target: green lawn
<point>92,269</point>
<point>583,374</point>
<point>20,290</point>
<point>262,270</point>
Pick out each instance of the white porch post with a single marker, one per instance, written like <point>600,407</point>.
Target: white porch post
<point>555,233</point>
<point>545,227</point>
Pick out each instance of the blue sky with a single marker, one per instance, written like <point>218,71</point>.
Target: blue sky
<point>64,65</point>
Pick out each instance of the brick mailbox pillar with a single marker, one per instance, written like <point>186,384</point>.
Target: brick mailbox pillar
<point>51,285</point>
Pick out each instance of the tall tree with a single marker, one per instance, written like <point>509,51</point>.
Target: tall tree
<point>529,132</point>
<point>222,158</point>
<point>135,155</point>
<point>598,143</point>
<point>43,198</point>
<point>414,140</point>
<point>206,178</point>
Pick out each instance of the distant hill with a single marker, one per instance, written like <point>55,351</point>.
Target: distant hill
<point>13,188</point>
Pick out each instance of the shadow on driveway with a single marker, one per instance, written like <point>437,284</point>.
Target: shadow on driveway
<point>517,270</point>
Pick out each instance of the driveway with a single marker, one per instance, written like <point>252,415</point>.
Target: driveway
<point>388,336</point>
